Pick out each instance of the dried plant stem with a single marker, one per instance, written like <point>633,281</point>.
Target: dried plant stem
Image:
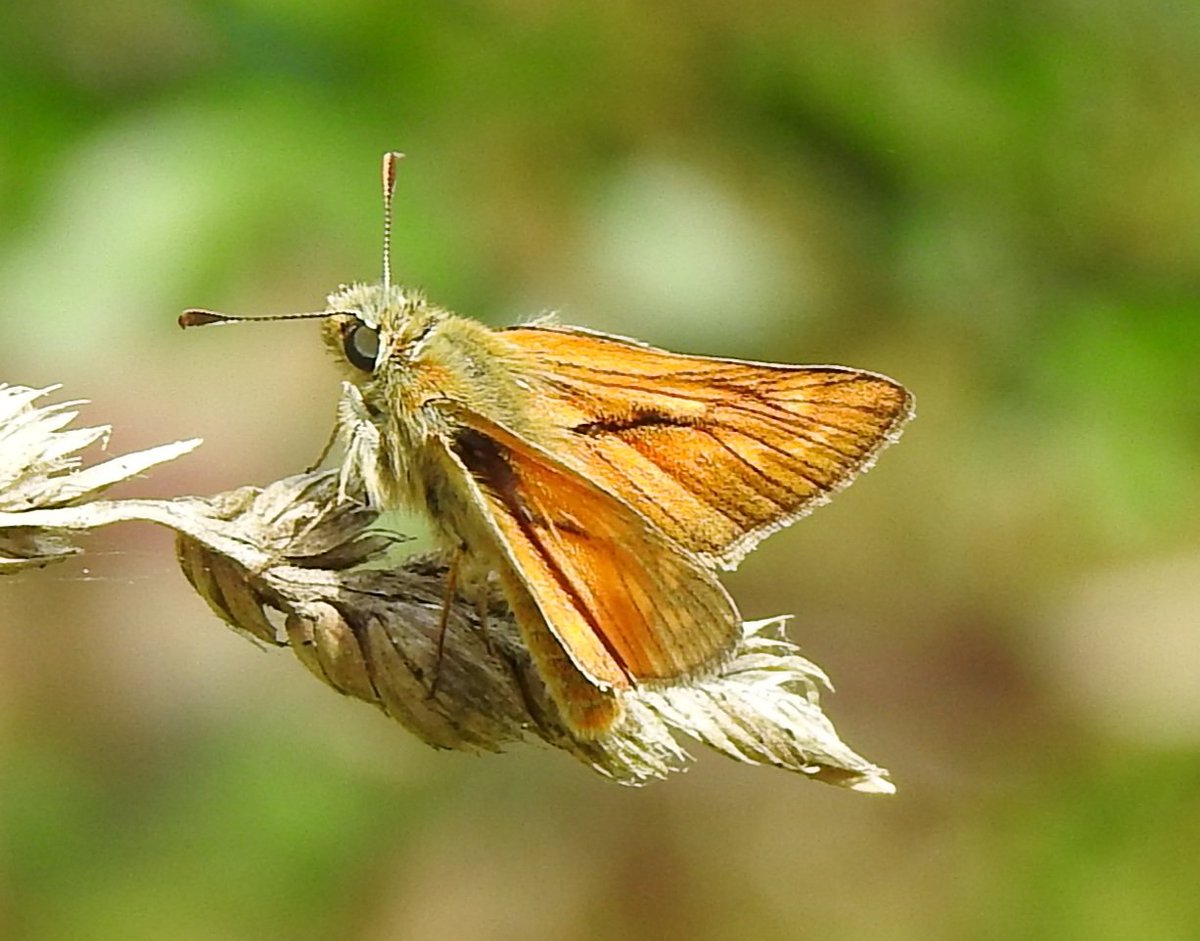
<point>371,629</point>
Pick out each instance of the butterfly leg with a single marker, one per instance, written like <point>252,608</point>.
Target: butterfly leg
<point>329,443</point>
<point>481,614</point>
<point>444,620</point>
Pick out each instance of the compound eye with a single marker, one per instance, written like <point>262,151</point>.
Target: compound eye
<point>362,346</point>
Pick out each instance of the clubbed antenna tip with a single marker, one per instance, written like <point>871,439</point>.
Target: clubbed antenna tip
<point>391,160</point>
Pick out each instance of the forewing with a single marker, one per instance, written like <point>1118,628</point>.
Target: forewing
<point>625,602</point>
<point>716,453</point>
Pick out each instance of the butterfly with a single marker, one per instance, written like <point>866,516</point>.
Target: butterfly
<point>603,481</point>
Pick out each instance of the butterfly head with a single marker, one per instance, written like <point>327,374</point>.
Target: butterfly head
<point>369,324</point>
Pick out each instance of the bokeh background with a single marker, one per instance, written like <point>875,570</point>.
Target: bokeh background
<point>996,202</point>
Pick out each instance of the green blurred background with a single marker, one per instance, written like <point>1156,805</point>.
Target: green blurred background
<point>996,202</point>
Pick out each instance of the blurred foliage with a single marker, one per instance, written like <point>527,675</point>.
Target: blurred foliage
<point>995,202</point>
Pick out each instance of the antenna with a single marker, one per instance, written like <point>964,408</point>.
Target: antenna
<point>199,317</point>
<point>391,160</point>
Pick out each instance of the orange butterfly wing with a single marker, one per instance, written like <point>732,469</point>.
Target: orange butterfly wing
<point>717,453</point>
<point>624,601</point>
